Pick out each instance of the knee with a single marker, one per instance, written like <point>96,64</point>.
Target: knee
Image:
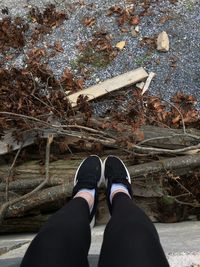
<point>137,229</point>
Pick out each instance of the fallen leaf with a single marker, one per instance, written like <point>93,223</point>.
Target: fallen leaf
<point>58,47</point>
<point>177,119</point>
<point>89,21</point>
<point>165,18</point>
<point>134,21</point>
<point>115,9</point>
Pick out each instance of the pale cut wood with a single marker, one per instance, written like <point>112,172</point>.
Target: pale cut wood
<point>148,81</point>
<point>110,85</point>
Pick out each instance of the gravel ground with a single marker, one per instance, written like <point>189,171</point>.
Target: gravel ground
<point>183,31</point>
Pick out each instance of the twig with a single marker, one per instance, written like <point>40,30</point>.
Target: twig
<point>170,151</point>
<point>5,206</point>
<point>48,146</point>
<point>194,205</point>
<point>24,117</point>
<point>83,128</point>
<point>111,141</point>
<point>59,127</point>
<point>34,84</point>
<point>10,171</point>
<point>183,187</point>
<point>182,195</point>
<point>178,110</point>
<point>168,137</point>
<point>182,119</point>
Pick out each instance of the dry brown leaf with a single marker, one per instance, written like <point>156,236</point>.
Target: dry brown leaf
<point>176,119</point>
<point>134,20</point>
<point>89,21</point>
<point>115,9</point>
<point>58,46</point>
<point>165,18</point>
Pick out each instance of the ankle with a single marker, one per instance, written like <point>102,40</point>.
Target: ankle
<point>87,196</point>
<point>119,191</point>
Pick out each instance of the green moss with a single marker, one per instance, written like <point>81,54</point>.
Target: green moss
<point>96,59</point>
<point>74,64</point>
<point>142,59</point>
<point>189,5</point>
<point>167,200</point>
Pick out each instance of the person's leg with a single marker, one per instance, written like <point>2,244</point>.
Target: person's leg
<point>65,239</point>
<point>130,238</point>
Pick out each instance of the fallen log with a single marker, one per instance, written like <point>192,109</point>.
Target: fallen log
<point>64,170</point>
<point>153,136</point>
<point>47,197</point>
<point>23,186</point>
<point>28,224</point>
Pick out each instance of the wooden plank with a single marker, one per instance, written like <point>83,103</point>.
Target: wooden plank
<point>110,85</point>
<point>148,81</point>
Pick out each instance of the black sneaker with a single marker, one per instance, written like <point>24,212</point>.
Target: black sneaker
<point>89,176</point>
<point>115,171</point>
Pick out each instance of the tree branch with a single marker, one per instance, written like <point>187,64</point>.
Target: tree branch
<point>5,206</point>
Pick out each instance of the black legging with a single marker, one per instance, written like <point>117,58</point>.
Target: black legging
<point>130,238</point>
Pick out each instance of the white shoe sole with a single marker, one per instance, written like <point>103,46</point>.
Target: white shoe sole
<point>102,174</point>
<point>104,163</point>
<point>92,223</point>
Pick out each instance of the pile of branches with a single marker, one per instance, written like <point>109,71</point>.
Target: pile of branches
<point>142,132</point>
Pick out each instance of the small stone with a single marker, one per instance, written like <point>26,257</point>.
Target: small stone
<point>198,17</point>
<point>134,33</point>
<point>137,29</point>
<point>163,42</point>
<point>121,45</point>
